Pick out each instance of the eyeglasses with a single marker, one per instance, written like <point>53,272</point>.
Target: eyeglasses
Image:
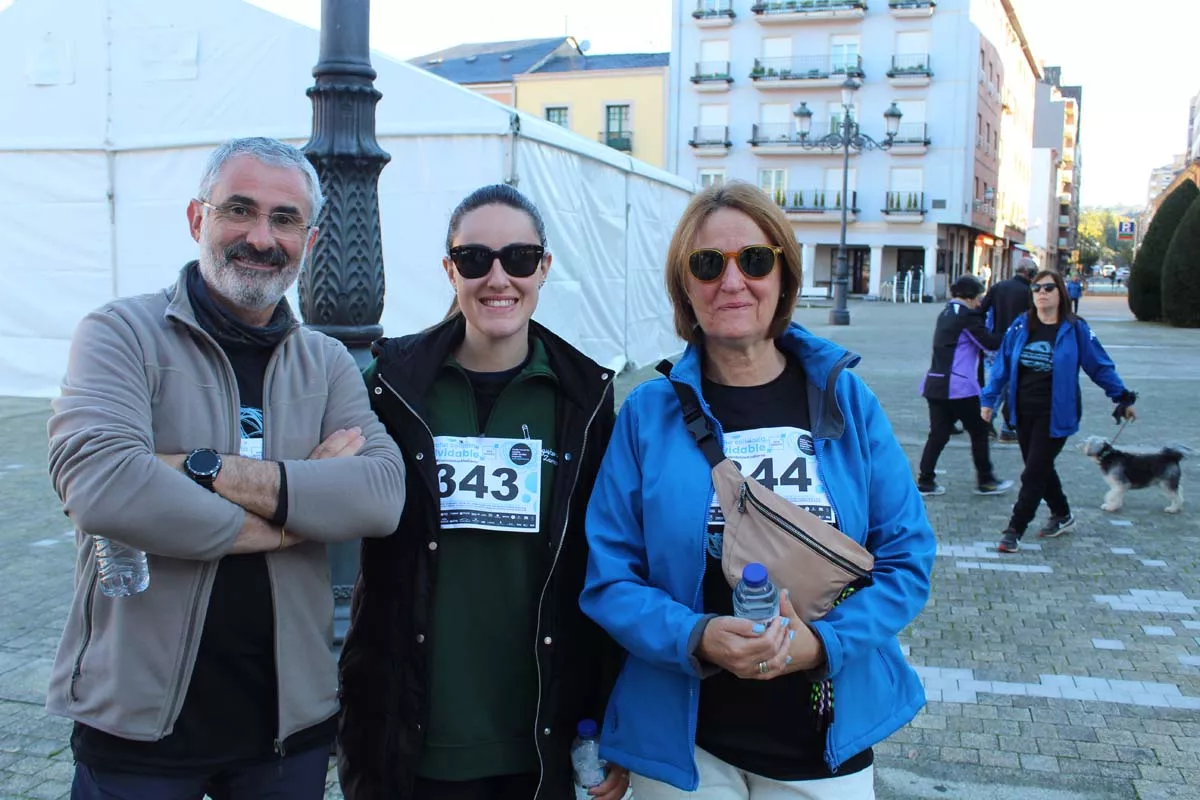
<point>1044,287</point>
<point>240,215</point>
<point>755,261</point>
<point>518,260</point>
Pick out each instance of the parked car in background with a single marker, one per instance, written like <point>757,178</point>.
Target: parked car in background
<point>1123,273</point>
<point>1108,270</point>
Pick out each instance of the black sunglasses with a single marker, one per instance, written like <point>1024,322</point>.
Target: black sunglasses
<point>518,260</point>
<point>1044,287</point>
<point>755,261</point>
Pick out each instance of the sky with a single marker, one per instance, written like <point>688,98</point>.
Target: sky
<point>1135,60</point>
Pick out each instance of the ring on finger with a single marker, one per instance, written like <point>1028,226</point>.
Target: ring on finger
<point>763,668</point>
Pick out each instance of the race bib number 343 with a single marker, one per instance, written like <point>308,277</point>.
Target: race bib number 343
<point>490,483</point>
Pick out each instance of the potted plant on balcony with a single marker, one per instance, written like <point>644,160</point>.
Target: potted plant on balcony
<point>757,72</point>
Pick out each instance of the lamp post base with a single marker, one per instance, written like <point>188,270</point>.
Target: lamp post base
<point>839,316</point>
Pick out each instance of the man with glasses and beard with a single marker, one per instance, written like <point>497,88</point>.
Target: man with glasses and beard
<point>205,427</point>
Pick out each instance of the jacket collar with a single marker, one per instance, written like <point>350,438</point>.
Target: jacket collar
<point>179,304</point>
<point>822,361</point>
<point>419,356</point>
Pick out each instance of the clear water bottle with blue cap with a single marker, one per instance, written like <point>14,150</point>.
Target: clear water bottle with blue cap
<point>755,597</point>
<point>590,768</point>
<point>124,570</point>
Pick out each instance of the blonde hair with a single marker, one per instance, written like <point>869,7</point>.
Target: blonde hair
<point>766,214</point>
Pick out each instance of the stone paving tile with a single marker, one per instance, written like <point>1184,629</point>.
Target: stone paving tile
<point>1019,691</point>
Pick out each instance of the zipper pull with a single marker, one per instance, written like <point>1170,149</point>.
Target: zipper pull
<point>525,430</point>
<point>745,490</point>
<point>280,749</point>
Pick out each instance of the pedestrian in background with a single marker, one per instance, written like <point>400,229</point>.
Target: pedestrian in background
<point>1037,370</point>
<point>1005,302</point>
<point>951,387</point>
<point>1075,291</point>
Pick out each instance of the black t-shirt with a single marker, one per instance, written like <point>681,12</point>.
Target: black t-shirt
<point>487,387</point>
<point>765,727</point>
<point>230,714</point>
<point>1035,372</point>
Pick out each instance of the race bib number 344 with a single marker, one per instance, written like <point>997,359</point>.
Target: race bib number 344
<point>490,483</point>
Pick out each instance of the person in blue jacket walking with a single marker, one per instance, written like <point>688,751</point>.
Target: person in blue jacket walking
<point>707,702</point>
<point>1075,291</point>
<point>1037,373</point>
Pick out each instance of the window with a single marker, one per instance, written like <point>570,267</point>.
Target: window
<point>616,119</point>
<point>833,187</point>
<point>773,182</point>
<point>557,115</point>
<point>843,53</point>
<point>777,47</point>
<point>835,116</point>
<point>715,115</point>
<point>714,52</point>
<point>910,43</point>
<point>712,177</point>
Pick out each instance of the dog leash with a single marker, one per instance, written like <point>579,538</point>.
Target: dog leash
<point>1121,430</point>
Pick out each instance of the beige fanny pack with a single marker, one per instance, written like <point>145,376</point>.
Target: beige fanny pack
<point>810,558</point>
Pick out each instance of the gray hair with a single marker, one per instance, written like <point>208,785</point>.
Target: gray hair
<point>271,152</point>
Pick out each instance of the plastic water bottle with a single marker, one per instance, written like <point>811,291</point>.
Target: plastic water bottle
<point>124,570</point>
<point>590,768</point>
<point>755,597</point>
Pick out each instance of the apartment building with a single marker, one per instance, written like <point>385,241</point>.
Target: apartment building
<point>950,195</point>
<point>1056,167</point>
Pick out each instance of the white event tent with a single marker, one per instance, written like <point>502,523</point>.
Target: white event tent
<point>108,109</point>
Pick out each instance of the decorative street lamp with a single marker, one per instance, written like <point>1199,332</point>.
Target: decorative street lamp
<point>341,286</point>
<point>847,137</point>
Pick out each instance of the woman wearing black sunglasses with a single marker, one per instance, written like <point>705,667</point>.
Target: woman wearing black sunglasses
<point>1037,373</point>
<point>468,663</point>
<point>707,702</point>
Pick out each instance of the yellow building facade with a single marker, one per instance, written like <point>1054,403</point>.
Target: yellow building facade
<point>601,98</point>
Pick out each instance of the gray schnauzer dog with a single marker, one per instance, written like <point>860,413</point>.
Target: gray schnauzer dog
<point>1124,470</point>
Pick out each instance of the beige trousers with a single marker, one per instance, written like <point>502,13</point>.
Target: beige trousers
<point>721,781</point>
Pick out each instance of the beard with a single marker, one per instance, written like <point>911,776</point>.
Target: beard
<point>250,289</point>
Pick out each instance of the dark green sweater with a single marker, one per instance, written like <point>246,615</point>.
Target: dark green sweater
<point>484,682</point>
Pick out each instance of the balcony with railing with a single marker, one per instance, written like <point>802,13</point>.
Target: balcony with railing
<point>618,140</point>
<point>1064,220</point>
<point>912,139</point>
<point>714,13</point>
<point>817,205</point>
<point>782,139</point>
<point>910,70</point>
<point>911,8</point>
<point>985,208</point>
<point>904,207</point>
<point>710,140</point>
<point>805,71</point>
<point>783,12</point>
<point>712,76</point>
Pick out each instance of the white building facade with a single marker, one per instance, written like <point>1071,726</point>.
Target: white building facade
<point>952,193</point>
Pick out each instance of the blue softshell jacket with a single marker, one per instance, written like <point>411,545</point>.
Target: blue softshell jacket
<point>646,527</point>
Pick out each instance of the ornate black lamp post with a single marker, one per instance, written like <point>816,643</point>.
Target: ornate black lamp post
<point>341,287</point>
<point>849,136</point>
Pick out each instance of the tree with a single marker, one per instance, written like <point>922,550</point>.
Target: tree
<point>1181,273</point>
<point>1145,280</point>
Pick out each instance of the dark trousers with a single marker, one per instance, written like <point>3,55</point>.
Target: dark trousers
<point>1075,305</point>
<point>942,415</point>
<point>500,787</point>
<point>297,777</point>
<point>1039,480</point>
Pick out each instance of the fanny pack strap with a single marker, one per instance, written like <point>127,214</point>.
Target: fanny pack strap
<point>695,419</point>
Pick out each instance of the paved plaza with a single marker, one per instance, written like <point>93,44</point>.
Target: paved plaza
<point>1069,671</point>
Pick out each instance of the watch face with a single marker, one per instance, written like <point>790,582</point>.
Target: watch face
<point>204,463</point>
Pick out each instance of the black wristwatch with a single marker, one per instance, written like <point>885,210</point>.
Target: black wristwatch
<point>203,466</point>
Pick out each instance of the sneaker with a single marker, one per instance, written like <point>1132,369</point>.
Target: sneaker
<point>993,487</point>
<point>930,488</point>
<point>1057,526</point>
<point>1009,541</point>
<point>1007,437</point>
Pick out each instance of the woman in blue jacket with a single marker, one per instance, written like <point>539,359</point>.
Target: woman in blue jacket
<point>706,701</point>
<point>1037,372</point>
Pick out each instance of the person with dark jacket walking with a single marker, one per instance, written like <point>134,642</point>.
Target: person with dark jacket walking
<point>468,663</point>
<point>952,389</point>
<point>1006,301</point>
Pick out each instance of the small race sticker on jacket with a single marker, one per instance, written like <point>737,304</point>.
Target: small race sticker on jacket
<point>490,483</point>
